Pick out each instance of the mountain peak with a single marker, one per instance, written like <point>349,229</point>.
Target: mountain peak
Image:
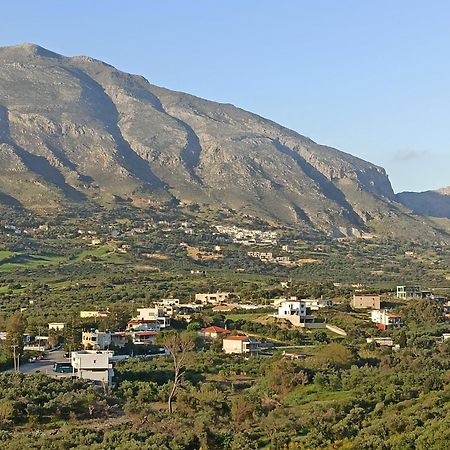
<point>29,49</point>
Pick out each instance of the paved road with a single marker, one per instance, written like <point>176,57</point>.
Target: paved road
<point>46,365</point>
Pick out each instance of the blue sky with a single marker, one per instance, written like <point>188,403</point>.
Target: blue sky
<point>370,78</point>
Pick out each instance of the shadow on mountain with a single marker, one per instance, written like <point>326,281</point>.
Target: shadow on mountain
<point>326,186</point>
<point>40,166</point>
<point>427,203</point>
<point>108,113</point>
<point>7,200</point>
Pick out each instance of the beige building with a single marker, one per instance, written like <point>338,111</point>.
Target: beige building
<point>95,340</point>
<point>240,345</point>
<point>215,299</point>
<point>157,313</point>
<point>366,302</point>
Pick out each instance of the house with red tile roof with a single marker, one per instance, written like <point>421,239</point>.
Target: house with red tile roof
<point>214,332</point>
<point>385,319</point>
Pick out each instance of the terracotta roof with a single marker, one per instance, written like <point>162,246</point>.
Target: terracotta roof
<point>146,333</point>
<point>215,329</point>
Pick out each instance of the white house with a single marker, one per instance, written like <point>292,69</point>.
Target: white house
<point>170,306</point>
<point>293,310</point>
<point>56,326</point>
<point>169,302</point>
<point>143,325</point>
<point>93,365</point>
<point>317,303</point>
<point>155,313</point>
<point>381,341</point>
<point>409,291</point>
<point>144,337</point>
<point>385,319</point>
<point>121,338</point>
<point>88,314</point>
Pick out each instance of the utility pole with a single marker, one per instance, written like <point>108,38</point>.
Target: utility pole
<point>15,357</point>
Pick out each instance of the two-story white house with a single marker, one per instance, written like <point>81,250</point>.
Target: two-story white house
<point>385,319</point>
<point>293,310</point>
<point>143,325</point>
<point>156,313</point>
<point>93,365</point>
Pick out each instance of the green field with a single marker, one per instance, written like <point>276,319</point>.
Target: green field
<point>302,395</point>
<point>16,261</point>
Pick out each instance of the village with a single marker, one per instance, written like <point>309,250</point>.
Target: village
<point>98,351</point>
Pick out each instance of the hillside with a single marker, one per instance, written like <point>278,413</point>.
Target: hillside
<point>76,130</point>
<point>429,203</point>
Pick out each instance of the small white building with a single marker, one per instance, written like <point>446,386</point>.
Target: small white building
<point>409,291</point>
<point>240,345</point>
<point>170,306</point>
<point>56,326</point>
<point>93,365</point>
<point>381,341</point>
<point>317,303</point>
<point>88,314</point>
<point>169,302</point>
<point>215,299</point>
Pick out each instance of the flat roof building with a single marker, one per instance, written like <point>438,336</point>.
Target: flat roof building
<point>409,291</point>
<point>93,365</point>
<point>240,345</point>
<point>366,302</point>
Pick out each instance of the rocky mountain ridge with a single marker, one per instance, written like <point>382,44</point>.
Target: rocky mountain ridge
<point>75,129</point>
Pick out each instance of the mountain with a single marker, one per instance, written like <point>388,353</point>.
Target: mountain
<point>76,130</point>
<point>429,203</point>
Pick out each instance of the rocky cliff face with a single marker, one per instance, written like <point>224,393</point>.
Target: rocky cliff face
<point>77,130</point>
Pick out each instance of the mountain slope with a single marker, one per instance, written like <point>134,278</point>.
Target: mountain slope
<point>429,203</point>
<point>77,130</point>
